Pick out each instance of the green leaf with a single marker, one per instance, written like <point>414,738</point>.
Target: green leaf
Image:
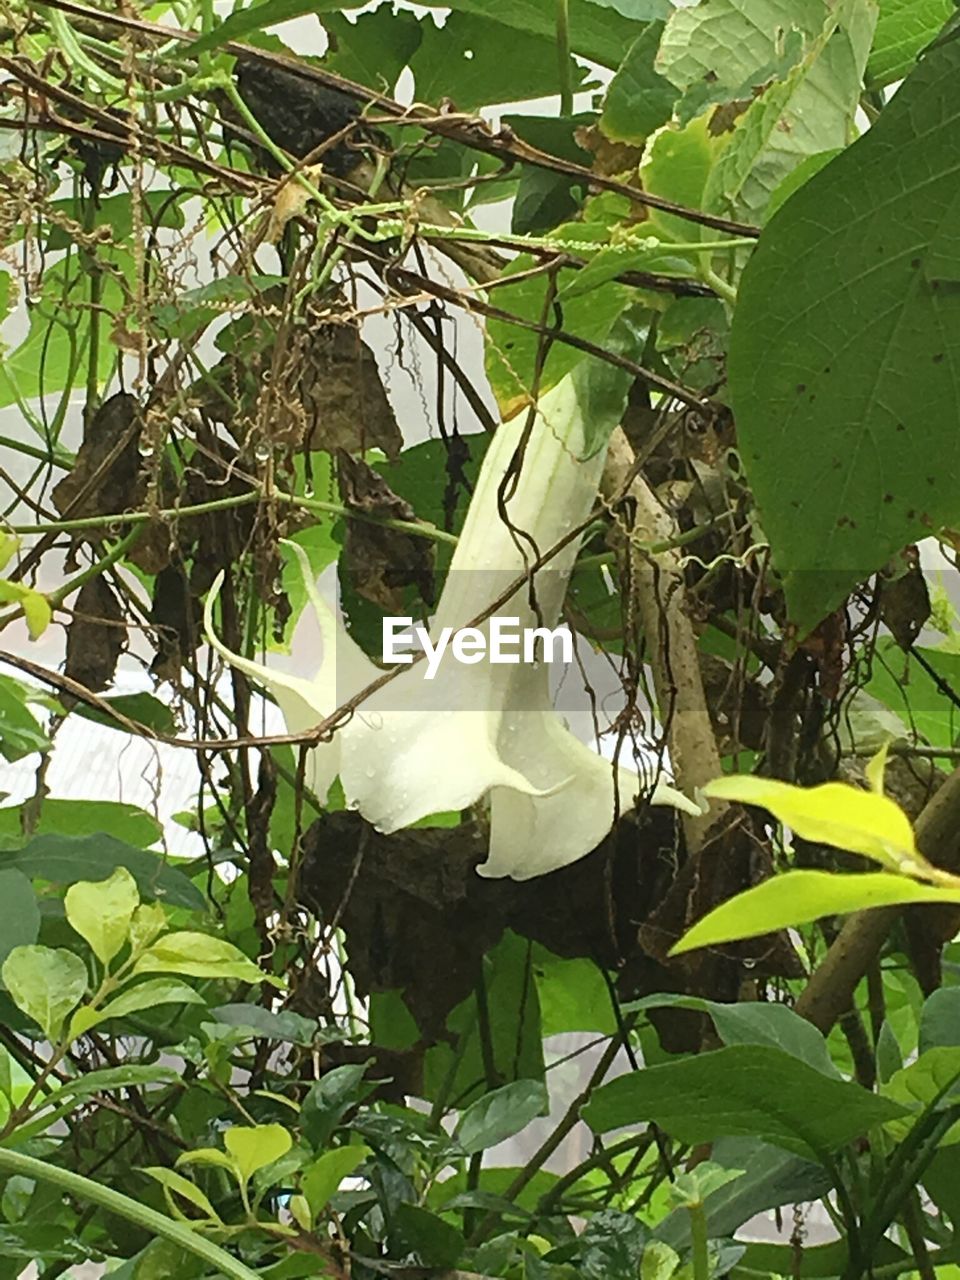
<point>611,1246</point>
<point>889,1053</point>
<point>511,354</point>
<point>77,818</point>
<point>374,48</point>
<point>207,1155</point>
<point>148,921</point>
<point>321,1179</point>
<point>930,1082</point>
<point>101,911</point>
<point>176,1184</point>
<point>57,342</point>
<point>500,1114</point>
<point>253,1147</point>
<point>477,61</point>
<point>812,109</point>
<point>844,346</point>
<point>772,1178</point>
<point>20,732</point>
<point>46,984</point>
<point>691,1188</point>
<point>19,913</point>
<point>730,48</point>
<point>145,995</point>
<point>940,1020</point>
<point>328,1100</point>
<point>800,897</point>
<point>904,29</point>
<point>796,178</point>
<point>573,995</point>
<point>676,166</point>
<point>199,955</point>
<point>639,99</point>
<point>64,859</point>
<point>144,708</point>
<point>515,1038</point>
<point>745,1090</point>
<point>436,1242</point>
<point>286,1026</point>
<point>257,18</point>
<point>599,31</point>
<point>908,689</point>
<point>754,1023</point>
<point>132,1074</point>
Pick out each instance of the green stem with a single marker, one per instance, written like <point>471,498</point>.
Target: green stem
<point>563,58</point>
<point>720,286</point>
<point>33,451</point>
<point>418,528</point>
<point>116,552</point>
<point>698,1239</point>
<point>125,1207</point>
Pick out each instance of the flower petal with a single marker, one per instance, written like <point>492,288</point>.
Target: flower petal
<point>422,746</point>
<point>532,835</point>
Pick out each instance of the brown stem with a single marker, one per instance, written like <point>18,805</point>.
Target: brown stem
<point>659,585</point>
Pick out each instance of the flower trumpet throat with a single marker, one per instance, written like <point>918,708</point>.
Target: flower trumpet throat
<point>416,747</point>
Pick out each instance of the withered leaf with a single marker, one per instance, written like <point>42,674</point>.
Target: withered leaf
<point>343,396</point>
<point>904,597</point>
<point>105,478</point>
<point>323,390</point>
<point>96,636</point>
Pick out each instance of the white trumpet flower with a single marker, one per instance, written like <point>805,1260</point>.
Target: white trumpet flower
<point>419,746</point>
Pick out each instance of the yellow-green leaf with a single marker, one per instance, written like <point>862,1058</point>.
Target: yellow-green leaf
<point>146,995</point>
<point>199,955</point>
<point>101,911</point>
<point>254,1147</point>
<point>9,543</point>
<point>149,921</point>
<point>37,612</point>
<point>46,983</point>
<point>800,897</point>
<point>207,1155</point>
<point>833,813</point>
<point>176,1183</point>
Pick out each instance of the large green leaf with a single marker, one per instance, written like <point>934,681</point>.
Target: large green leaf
<point>756,1022</point>
<point>19,913</point>
<point>810,109</point>
<point>844,349</point>
<point>598,31</point>
<point>475,61</point>
<point>800,897</point>
<point>85,818</point>
<point>904,29</point>
<point>743,1090</point>
<point>374,48</point>
<point>65,859</point>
